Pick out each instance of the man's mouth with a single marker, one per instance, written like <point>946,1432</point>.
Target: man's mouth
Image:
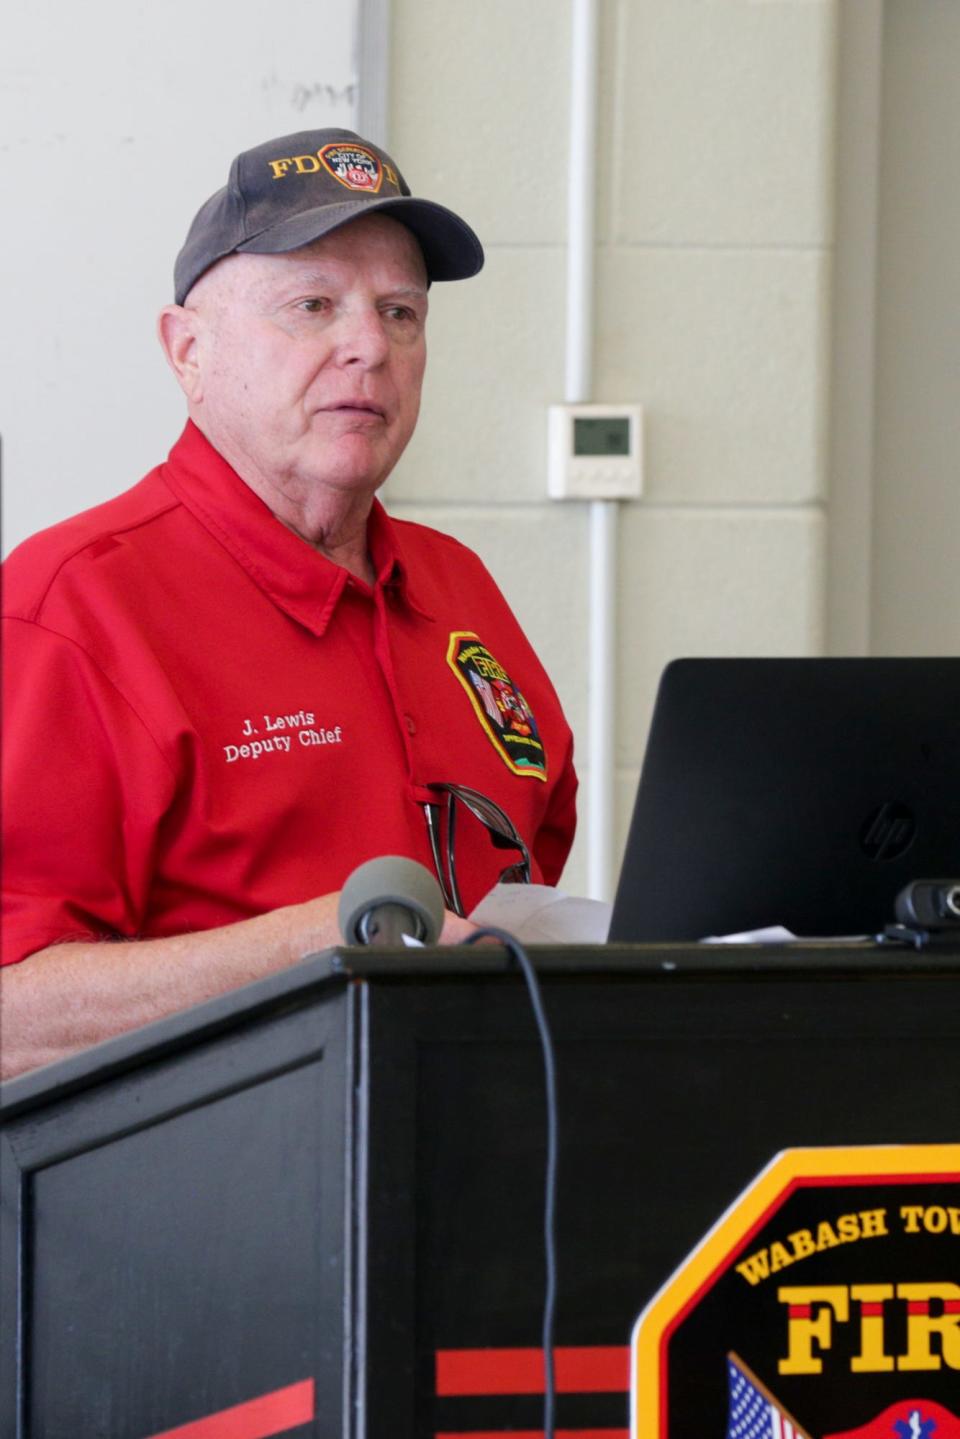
<point>357,408</point>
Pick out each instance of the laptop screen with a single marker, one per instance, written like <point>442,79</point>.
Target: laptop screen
<point>803,792</point>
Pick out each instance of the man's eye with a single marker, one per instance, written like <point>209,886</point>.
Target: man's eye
<point>313,306</point>
<point>401,312</point>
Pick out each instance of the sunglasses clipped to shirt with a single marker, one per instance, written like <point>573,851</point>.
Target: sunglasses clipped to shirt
<point>442,830</point>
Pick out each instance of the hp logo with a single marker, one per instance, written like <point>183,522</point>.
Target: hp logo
<point>888,832</point>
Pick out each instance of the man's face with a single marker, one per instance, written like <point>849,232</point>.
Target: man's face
<point>310,364</point>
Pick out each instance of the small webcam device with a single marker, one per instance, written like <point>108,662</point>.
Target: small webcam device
<point>931,904</point>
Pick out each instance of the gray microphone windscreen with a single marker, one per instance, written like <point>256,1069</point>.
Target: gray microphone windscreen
<point>395,882</point>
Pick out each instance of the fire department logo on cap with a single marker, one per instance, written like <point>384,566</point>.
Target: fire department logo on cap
<point>354,166</point>
<point>498,704</point>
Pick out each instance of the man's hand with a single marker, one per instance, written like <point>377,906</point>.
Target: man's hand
<point>455,930</point>
<point>69,996</point>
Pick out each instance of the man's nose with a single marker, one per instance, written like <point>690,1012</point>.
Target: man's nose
<point>364,340</point>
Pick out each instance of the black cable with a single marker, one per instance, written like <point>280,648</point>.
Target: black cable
<point>517,952</point>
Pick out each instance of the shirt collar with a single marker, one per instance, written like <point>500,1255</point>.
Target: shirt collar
<point>390,563</point>
<point>285,567</point>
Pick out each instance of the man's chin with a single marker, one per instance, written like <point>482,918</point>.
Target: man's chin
<point>352,464</point>
<point>349,479</point>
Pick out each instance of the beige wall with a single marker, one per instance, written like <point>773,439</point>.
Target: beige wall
<point>715,214</point>
<point>915,600</point>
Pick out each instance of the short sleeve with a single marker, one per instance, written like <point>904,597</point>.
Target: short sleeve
<point>554,838</point>
<point>84,787</point>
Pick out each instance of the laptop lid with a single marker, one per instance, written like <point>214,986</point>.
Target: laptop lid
<point>802,792</point>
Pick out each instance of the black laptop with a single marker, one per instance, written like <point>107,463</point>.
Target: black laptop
<point>805,793</point>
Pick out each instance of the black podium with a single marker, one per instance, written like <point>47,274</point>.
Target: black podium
<point>315,1206</point>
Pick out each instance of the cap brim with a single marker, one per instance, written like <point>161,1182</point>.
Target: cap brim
<point>451,250</point>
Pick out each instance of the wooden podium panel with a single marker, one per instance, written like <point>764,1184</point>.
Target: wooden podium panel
<point>174,1202</point>
<point>323,1194</point>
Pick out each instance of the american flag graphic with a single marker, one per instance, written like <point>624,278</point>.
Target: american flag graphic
<point>754,1413</point>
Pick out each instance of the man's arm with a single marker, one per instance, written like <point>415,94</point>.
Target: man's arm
<point>69,996</point>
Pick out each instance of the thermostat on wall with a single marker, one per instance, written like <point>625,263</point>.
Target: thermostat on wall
<point>595,452</point>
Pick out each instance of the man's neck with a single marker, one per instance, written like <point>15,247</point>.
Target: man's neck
<point>351,553</point>
<point>332,521</point>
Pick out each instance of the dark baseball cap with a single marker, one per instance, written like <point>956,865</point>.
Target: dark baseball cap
<point>287,192</point>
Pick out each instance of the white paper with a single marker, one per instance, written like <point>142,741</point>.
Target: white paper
<point>539,914</point>
<point>777,934</point>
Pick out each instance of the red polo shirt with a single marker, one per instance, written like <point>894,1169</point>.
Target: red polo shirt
<point>205,719</point>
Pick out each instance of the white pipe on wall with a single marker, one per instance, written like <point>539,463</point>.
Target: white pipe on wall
<point>602,699</point>
<point>601,667</point>
<point>580,201</point>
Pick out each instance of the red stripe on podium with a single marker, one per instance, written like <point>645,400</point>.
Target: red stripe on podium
<point>538,1434</point>
<point>597,1369</point>
<point>259,1418</point>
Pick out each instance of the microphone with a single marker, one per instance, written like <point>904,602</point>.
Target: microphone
<point>387,898</point>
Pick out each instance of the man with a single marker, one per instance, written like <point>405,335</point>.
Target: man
<point>239,680</point>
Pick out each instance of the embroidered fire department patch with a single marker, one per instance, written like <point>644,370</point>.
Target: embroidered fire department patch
<point>353,165</point>
<point>498,704</point>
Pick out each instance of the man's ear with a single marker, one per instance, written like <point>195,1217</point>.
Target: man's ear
<point>178,332</point>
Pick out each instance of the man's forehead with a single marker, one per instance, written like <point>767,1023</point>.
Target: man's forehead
<point>374,243</point>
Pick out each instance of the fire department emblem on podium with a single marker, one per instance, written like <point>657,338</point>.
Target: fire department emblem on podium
<point>825,1304</point>
<point>499,705</point>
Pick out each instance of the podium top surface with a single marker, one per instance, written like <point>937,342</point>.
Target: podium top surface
<point>333,969</point>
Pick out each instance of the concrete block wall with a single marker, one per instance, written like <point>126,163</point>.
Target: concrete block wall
<point>714,226</point>
<point>915,606</point>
